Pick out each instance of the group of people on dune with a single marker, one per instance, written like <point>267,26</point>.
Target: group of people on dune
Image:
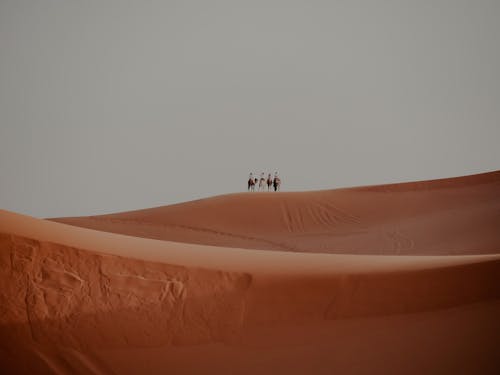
<point>272,183</point>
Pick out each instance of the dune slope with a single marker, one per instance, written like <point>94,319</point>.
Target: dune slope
<point>448,216</point>
<point>80,301</point>
<point>76,300</point>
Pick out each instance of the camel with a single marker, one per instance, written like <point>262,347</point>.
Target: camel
<point>276,183</point>
<point>262,182</point>
<point>269,182</point>
<point>251,184</point>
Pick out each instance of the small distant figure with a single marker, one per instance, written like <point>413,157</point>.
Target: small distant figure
<point>262,182</point>
<point>251,182</point>
<point>272,183</point>
<point>269,182</point>
<point>276,182</point>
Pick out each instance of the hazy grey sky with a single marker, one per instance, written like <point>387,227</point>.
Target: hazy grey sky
<point>116,105</point>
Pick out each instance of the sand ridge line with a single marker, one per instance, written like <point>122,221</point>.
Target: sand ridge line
<point>233,259</point>
<point>68,234</point>
<point>486,178</point>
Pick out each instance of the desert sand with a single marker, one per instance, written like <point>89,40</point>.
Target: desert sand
<point>388,279</point>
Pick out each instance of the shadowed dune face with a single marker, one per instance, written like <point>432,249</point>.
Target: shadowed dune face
<point>166,304</point>
<point>440,217</point>
<point>80,301</point>
<point>67,310</point>
<point>58,296</point>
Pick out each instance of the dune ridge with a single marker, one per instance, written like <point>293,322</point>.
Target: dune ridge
<point>81,300</point>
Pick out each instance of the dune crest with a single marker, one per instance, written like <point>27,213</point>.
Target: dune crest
<point>439,217</point>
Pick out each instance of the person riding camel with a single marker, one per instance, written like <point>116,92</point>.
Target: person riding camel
<point>251,182</point>
<point>269,182</point>
<point>276,182</point>
<point>262,181</point>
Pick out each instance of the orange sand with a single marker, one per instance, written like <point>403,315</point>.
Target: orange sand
<point>440,217</point>
<point>386,279</point>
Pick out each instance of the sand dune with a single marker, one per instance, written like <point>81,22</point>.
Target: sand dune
<point>440,217</point>
<point>205,286</point>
